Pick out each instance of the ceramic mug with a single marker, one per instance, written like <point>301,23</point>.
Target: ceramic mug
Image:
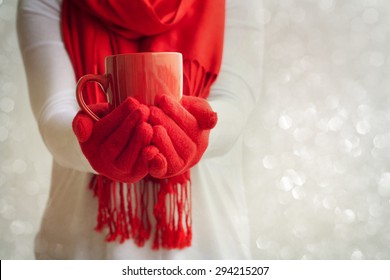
<point>139,75</point>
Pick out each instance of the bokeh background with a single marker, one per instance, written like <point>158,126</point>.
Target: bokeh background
<point>319,140</point>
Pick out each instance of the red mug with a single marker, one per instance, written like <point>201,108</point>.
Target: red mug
<point>140,75</point>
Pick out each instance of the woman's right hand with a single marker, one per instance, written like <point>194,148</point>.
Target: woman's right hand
<point>117,146</point>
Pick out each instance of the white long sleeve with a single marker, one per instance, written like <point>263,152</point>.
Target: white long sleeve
<point>51,80</point>
<point>238,86</point>
<point>52,84</point>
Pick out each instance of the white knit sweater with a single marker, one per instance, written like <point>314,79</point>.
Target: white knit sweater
<point>220,220</point>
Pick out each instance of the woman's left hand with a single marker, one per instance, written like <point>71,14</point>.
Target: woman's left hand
<point>180,132</point>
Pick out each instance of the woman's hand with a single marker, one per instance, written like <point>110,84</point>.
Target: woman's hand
<point>118,145</point>
<point>180,132</point>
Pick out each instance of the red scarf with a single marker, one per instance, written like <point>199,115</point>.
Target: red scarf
<point>93,30</point>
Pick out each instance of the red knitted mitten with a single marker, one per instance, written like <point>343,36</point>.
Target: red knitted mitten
<point>118,145</point>
<point>180,132</point>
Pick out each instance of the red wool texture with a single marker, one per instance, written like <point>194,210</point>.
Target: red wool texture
<point>143,154</point>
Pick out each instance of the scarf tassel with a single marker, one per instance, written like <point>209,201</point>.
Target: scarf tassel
<point>123,210</point>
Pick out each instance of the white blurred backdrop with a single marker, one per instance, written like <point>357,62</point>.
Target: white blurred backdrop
<point>320,135</point>
<point>25,164</point>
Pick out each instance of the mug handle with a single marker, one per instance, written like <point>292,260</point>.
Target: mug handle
<point>102,80</point>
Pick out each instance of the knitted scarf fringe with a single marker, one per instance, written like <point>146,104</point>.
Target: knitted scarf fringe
<point>123,210</point>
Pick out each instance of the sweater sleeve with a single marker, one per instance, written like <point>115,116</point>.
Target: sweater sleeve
<point>51,80</point>
<point>238,86</point>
